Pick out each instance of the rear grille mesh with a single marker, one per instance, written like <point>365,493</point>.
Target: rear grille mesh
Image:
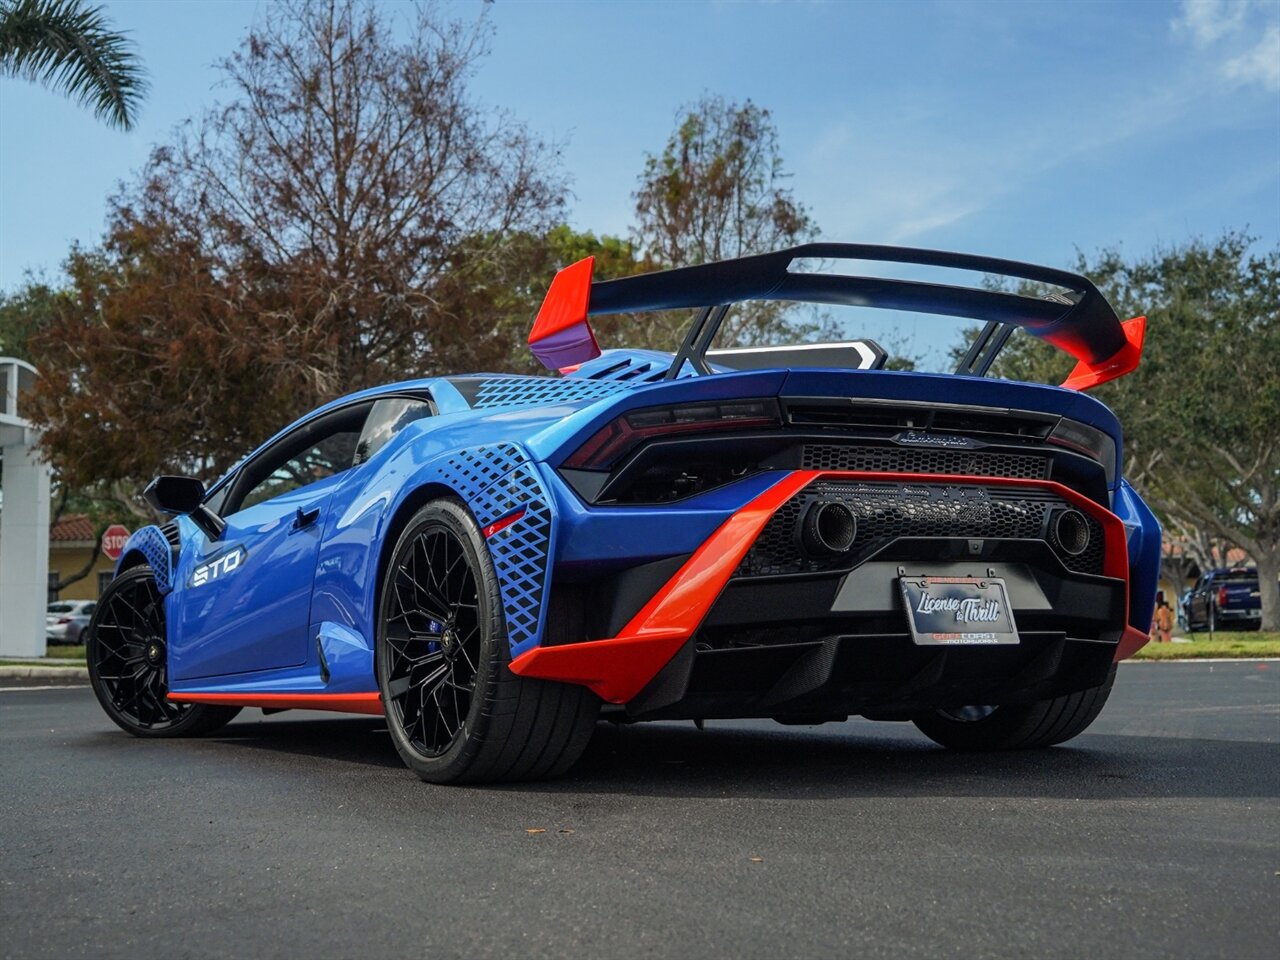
<point>887,511</point>
<point>973,463</point>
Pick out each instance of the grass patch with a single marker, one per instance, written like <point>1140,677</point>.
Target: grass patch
<point>1239,645</point>
<point>65,651</point>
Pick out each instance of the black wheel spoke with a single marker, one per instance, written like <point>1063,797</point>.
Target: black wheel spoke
<point>431,628</point>
<point>127,647</point>
<point>398,688</point>
<point>462,652</point>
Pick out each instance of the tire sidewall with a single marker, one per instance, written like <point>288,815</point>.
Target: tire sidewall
<point>196,719</point>
<point>1014,726</point>
<point>494,652</point>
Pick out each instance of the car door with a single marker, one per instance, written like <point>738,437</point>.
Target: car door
<point>243,600</point>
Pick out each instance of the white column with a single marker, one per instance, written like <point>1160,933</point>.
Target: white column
<point>24,552</point>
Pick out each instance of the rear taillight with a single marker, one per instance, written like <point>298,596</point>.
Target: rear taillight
<point>1222,596</point>
<point>1088,440</point>
<point>620,436</point>
<point>64,620</point>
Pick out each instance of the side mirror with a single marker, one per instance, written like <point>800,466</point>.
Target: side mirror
<point>174,494</point>
<point>184,495</point>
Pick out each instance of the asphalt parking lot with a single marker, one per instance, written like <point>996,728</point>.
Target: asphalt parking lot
<point>1156,834</point>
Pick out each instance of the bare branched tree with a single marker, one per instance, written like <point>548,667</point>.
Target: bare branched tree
<point>310,237</point>
<point>716,191</point>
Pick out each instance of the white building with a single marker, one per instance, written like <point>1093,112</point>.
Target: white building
<point>24,520</point>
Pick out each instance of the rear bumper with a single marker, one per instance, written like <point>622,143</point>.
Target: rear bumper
<point>1228,615</point>
<point>884,676</point>
<point>834,626</point>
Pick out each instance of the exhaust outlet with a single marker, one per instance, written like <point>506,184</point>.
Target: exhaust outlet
<point>829,529</point>
<point>1071,531</point>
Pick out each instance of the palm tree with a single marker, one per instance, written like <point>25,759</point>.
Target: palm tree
<point>65,45</point>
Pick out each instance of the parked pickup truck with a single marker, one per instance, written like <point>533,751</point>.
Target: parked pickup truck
<point>1226,599</point>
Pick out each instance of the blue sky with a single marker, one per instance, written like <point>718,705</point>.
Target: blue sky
<point>1016,129</point>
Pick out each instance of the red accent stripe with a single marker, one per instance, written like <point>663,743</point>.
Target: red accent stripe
<point>502,524</point>
<point>370,703</point>
<point>618,668</point>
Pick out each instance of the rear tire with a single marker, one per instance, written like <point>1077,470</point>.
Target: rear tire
<point>456,712</point>
<point>1018,726</point>
<point>126,652</point>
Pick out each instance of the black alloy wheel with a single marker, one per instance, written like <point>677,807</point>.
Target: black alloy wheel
<point>432,639</point>
<point>1017,726</point>
<point>127,655</point>
<point>454,709</point>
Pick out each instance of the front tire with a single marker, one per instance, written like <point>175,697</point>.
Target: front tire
<point>125,649</point>
<point>1017,726</point>
<point>455,710</point>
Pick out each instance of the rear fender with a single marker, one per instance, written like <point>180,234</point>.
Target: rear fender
<point>1144,534</point>
<point>496,481</point>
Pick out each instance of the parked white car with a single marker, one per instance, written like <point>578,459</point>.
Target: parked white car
<point>65,619</point>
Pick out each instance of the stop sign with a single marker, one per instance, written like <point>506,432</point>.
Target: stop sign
<point>113,540</point>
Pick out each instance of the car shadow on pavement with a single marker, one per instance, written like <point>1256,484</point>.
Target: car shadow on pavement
<point>677,760</point>
<point>836,760</point>
<point>363,741</point>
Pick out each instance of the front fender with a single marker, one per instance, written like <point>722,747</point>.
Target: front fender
<point>150,545</point>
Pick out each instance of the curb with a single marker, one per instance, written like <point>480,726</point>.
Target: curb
<point>1206,660</point>
<point>45,673</point>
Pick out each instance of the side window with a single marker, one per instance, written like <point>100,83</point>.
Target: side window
<point>330,456</point>
<point>313,452</point>
<point>388,418</point>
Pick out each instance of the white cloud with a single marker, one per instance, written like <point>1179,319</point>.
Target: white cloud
<point>1242,37</point>
<point>1259,65</point>
<point>919,171</point>
<point>1207,21</point>
<point>911,186</point>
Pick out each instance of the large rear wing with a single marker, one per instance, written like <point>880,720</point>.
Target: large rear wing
<point>1078,321</point>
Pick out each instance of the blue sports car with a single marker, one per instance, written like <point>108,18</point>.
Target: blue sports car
<point>493,562</point>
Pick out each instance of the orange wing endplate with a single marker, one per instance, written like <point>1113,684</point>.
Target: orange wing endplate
<point>561,335</point>
<point>1125,360</point>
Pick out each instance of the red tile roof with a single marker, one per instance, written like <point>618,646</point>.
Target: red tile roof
<point>74,527</point>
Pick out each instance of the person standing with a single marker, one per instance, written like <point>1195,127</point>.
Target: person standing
<point>1162,622</point>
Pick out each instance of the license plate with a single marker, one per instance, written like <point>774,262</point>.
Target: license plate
<point>958,610</point>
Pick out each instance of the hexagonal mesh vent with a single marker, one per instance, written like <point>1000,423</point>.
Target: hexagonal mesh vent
<point>973,463</point>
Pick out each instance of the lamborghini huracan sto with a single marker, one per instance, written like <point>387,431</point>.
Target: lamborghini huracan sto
<point>496,562</point>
